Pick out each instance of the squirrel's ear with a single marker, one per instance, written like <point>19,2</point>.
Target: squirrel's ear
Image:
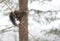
<point>12,18</point>
<point>16,12</point>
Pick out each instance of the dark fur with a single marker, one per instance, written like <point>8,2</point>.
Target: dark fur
<point>12,19</point>
<point>16,15</point>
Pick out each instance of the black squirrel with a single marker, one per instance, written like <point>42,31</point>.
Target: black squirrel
<point>16,15</point>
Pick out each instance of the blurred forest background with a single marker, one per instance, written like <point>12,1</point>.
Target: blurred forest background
<point>43,20</point>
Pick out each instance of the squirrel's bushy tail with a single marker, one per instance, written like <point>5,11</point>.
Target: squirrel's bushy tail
<point>12,18</point>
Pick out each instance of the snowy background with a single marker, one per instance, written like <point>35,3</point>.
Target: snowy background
<point>43,17</point>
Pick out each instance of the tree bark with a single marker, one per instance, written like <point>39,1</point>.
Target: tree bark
<point>23,26</point>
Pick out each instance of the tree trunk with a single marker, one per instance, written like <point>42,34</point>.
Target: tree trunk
<point>23,26</point>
